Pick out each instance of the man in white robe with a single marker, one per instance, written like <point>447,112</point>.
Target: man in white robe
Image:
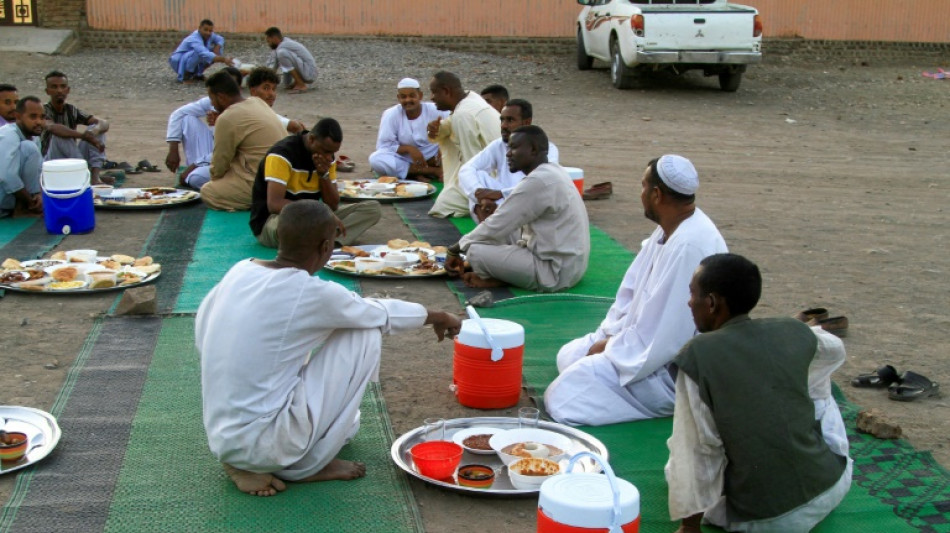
<point>745,453</point>
<point>619,372</point>
<point>472,125</point>
<point>286,356</point>
<point>403,148</point>
<point>486,179</point>
<point>539,239</point>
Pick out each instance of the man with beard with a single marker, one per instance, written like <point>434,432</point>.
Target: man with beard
<point>197,52</point>
<point>621,371</point>
<point>486,178</point>
<point>8,101</point>
<point>539,238</point>
<point>61,139</point>
<point>292,59</point>
<point>403,148</point>
<point>20,159</point>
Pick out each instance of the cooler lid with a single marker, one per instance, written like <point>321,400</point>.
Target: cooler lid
<point>64,165</point>
<point>574,172</point>
<point>507,334</point>
<point>586,500</point>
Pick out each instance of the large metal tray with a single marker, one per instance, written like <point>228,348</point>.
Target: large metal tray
<point>385,198</point>
<point>502,487</point>
<point>40,427</point>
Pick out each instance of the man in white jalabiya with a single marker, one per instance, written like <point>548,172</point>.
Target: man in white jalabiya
<point>286,357</point>
<point>403,148</point>
<point>620,372</point>
<point>486,178</point>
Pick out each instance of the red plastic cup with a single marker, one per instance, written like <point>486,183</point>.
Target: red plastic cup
<point>436,459</point>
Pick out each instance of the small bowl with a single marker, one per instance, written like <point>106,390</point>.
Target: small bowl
<point>436,459</point>
<point>10,453</point>
<point>376,186</point>
<point>400,260</point>
<point>82,256</point>
<point>417,189</point>
<point>476,476</point>
<point>102,190</point>
<point>367,263</point>
<point>502,440</point>
<point>522,481</point>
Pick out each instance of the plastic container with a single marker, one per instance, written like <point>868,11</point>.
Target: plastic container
<point>480,382</point>
<point>587,502</point>
<point>577,176</point>
<point>436,459</point>
<point>67,197</point>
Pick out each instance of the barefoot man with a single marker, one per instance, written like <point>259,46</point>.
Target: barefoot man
<point>286,356</point>
<point>539,238</point>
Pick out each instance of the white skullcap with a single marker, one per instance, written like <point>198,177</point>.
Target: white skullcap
<point>678,174</point>
<point>408,83</point>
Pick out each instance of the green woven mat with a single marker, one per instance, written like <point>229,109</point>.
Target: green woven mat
<point>224,239</point>
<point>170,482</point>
<point>11,227</point>
<point>638,450</point>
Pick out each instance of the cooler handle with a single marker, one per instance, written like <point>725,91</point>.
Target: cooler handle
<point>496,353</point>
<point>68,195</point>
<point>615,521</point>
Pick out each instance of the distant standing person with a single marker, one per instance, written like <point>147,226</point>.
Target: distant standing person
<point>197,52</point>
<point>8,101</point>
<point>20,159</point>
<point>292,59</point>
<point>61,139</point>
<point>496,96</point>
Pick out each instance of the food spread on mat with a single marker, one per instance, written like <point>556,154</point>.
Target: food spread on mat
<point>148,196</point>
<point>386,187</point>
<point>396,258</point>
<point>77,270</point>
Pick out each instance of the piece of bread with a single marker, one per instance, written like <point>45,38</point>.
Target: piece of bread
<point>11,264</point>
<point>102,282</point>
<point>419,244</point>
<point>393,271</point>
<point>65,274</point>
<point>397,244</point>
<point>129,279</point>
<point>123,259</point>
<point>346,266</point>
<point>354,251</point>
<point>111,264</point>
<point>59,256</point>
<point>387,179</point>
<point>142,261</point>
<point>149,269</point>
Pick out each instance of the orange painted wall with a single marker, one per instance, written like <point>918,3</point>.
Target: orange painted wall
<point>859,20</point>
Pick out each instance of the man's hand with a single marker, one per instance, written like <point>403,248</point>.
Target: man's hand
<point>444,324</point>
<point>340,228</point>
<point>295,127</point>
<point>432,129</point>
<point>484,209</point>
<point>691,524</point>
<point>212,117</point>
<point>598,347</point>
<point>322,163</point>
<point>36,203</point>
<point>488,194</point>
<point>454,265</point>
<point>173,159</point>
<point>415,155</point>
<point>90,138</point>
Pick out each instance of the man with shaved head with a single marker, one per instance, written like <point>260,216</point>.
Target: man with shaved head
<point>286,356</point>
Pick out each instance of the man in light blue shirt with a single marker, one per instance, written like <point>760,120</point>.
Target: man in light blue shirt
<point>20,158</point>
<point>197,52</point>
<point>8,100</point>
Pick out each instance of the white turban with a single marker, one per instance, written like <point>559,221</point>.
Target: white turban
<point>678,174</point>
<point>408,83</point>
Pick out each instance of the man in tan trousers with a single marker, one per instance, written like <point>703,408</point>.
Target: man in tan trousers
<point>245,129</point>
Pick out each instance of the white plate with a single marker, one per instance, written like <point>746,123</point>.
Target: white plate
<point>42,263</point>
<point>463,434</point>
<point>34,423</point>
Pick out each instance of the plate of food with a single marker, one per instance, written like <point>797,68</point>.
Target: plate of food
<point>144,198</point>
<point>397,258</point>
<point>37,432</point>
<point>383,189</point>
<point>475,439</point>
<point>77,272</point>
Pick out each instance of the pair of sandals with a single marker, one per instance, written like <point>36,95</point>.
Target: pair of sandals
<point>345,164</point>
<point>905,387</point>
<point>142,166</point>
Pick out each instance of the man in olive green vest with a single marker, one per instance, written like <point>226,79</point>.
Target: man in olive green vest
<point>758,441</point>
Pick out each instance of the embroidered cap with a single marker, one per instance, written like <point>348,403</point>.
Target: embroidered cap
<point>678,173</point>
<point>408,83</point>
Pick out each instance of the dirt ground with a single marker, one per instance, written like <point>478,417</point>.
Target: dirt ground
<point>832,177</point>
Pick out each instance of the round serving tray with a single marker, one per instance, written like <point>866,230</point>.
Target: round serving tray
<point>39,426</point>
<point>502,486</point>
<point>148,279</point>
<point>187,197</point>
<point>384,197</point>
<point>370,248</point>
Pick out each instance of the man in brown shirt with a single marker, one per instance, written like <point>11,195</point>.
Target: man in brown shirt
<point>245,129</point>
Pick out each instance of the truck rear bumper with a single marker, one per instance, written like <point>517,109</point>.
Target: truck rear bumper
<point>686,56</point>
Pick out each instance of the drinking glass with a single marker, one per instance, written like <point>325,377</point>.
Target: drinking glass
<point>528,417</point>
<point>434,429</point>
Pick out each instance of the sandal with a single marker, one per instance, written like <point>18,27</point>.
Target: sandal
<point>147,166</point>
<point>345,164</point>
<point>127,168</point>
<point>911,387</point>
<point>815,313</point>
<point>880,378</point>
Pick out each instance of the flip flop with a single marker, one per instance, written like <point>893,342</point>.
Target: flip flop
<point>345,164</point>
<point>815,313</point>
<point>127,168</point>
<point>911,387</point>
<point>880,378</point>
<point>147,166</point>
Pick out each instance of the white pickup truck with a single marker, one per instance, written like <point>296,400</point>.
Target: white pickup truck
<point>679,35</point>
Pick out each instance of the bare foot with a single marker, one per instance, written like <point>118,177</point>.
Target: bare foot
<point>339,469</point>
<point>255,484</point>
<point>471,279</point>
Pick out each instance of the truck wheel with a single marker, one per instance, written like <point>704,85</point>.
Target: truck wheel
<point>620,74</point>
<point>584,61</point>
<point>729,81</point>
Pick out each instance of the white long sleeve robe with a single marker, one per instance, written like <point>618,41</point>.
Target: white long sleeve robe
<point>395,130</point>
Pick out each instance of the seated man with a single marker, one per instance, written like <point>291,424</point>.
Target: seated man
<point>403,148</point>
<point>553,245</point>
<point>620,372</point>
<point>20,159</point>
<point>8,101</point>
<point>496,96</point>
<point>302,167</point>
<point>758,442</point>
<point>280,407</point>
<point>486,178</point>
<point>61,139</point>
<point>197,52</point>
<point>292,59</point>
<point>245,129</point>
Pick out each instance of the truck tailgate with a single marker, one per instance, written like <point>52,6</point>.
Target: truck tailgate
<point>687,28</point>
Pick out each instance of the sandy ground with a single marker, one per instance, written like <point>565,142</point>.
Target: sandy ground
<point>832,177</point>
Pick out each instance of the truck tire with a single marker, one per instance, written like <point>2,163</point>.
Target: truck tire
<point>620,74</point>
<point>584,61</point>
<point>729,81</point>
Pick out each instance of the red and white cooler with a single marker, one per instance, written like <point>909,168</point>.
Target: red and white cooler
<point>588,503</point>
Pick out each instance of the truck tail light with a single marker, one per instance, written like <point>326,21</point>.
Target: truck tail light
<point>757,26</point>
<point>636,23</point>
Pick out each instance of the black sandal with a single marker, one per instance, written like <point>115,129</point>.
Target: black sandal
<point>880,378</point>
<point>911,387</point>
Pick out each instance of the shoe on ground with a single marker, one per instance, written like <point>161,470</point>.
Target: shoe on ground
<point>599,191</point>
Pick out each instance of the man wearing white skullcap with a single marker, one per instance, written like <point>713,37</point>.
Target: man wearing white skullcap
<point>621,371</point>
<point>403,148</point>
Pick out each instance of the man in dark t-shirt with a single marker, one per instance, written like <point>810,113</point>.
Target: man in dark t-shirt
<point>61,138</point>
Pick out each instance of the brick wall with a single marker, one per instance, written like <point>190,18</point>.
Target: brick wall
<point>69,14</point>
